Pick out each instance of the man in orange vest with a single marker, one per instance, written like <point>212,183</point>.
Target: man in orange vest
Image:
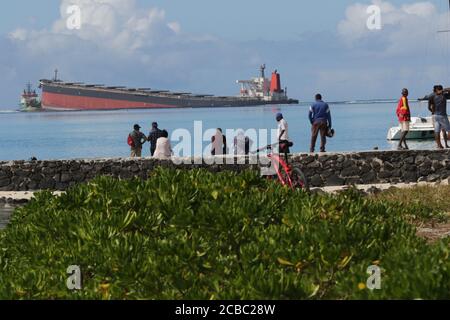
<point>404,117</point>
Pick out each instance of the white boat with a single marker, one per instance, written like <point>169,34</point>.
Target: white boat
<point>420,129</point>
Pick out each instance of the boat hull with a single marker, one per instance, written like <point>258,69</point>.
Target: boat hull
<point>396,133</point>
<point>420,129</point>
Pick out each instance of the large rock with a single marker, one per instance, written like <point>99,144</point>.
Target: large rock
<point>385,174</point>
<point>65,177</point>
<point>316,181</point>
<point>5,182</point>
<point>369,177</point>
<point>352,171</point>
<point>334,180</point>
<point>410,177</point>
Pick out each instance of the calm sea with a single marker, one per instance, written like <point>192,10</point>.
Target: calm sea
<point>65,135</point>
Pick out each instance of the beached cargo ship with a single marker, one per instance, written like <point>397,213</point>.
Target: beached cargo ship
<point>60,95</point>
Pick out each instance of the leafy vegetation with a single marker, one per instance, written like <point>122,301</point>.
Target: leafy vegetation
<point>197,235</point>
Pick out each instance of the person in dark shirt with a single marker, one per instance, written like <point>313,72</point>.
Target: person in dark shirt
<point>217,145</point>
<point>320,118</point>
<point>242,144</point>
<point>153,137</point>
<point>437,104</point>
<point>138,140</point>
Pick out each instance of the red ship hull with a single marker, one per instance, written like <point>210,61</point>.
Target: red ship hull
<point>57,95</point>
<point>53,101</point>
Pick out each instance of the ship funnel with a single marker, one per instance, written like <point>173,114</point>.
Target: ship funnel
<point>275,85</point>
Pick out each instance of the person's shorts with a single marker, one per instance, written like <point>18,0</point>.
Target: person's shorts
<point>441,123</point>
<point>405,125</point>
<point>284,147</point>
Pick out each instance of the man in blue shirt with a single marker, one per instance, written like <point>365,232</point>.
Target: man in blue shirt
<point>320,118</point>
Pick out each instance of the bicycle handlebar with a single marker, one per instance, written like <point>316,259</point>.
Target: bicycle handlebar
<point>268,147</point>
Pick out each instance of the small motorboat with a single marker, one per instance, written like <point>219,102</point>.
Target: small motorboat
<point>421,129</point>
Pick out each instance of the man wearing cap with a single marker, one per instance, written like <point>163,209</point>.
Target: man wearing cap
<point>283,134</point>
<point>153,137</point>
<point>320,118</point>
<point>404,117</point>
<point>138,140</point>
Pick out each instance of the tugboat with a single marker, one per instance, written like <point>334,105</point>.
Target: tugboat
<point>29,101</point>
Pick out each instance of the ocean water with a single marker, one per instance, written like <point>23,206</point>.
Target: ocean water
<point>66,135</point>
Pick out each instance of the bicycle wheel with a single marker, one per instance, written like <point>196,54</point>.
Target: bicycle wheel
<point>282,171</point>
<point>299,180</point>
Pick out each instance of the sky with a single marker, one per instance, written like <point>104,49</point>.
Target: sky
<point>204,46</point>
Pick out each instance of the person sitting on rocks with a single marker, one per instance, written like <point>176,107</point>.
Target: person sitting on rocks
<point>163,149</point>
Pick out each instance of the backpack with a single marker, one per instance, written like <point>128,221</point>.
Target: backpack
<point>130,141</point>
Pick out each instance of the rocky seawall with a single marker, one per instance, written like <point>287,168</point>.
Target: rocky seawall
<point>334,169</point>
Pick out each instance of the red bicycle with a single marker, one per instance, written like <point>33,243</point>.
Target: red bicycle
<point>287,174</point>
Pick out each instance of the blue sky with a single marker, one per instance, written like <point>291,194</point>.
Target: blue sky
<point>205,45</point>
<point>233,19</point>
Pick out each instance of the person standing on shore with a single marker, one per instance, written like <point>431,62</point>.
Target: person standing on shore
<point>242,143</point>
<point>404,117</point>
<point>283,134</point>
<point>136,139</point>
<point>163,149</point>
<point>320,118</point>
<point>153,137</point>
<point>219,143</point>
<point>437,104</point>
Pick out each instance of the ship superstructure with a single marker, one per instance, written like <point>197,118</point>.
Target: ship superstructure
<point>263,88</point>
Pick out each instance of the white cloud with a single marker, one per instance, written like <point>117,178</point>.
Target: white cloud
<point>114,24</point>
<point>18,34</point>
<point>404,28</point>
<point>123,44</point>
<point>120,43</point>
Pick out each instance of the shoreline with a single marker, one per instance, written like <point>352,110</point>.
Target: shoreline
<point>23,197</point>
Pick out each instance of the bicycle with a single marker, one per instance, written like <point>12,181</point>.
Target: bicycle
<point>287,174</point>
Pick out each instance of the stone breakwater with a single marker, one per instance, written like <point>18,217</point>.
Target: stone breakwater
<point>334,169</point>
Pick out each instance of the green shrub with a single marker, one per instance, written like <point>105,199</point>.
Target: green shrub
<point>198,235</point>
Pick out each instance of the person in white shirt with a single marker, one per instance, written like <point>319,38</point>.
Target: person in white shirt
<point>283,134</point>
<point>163,148</point>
